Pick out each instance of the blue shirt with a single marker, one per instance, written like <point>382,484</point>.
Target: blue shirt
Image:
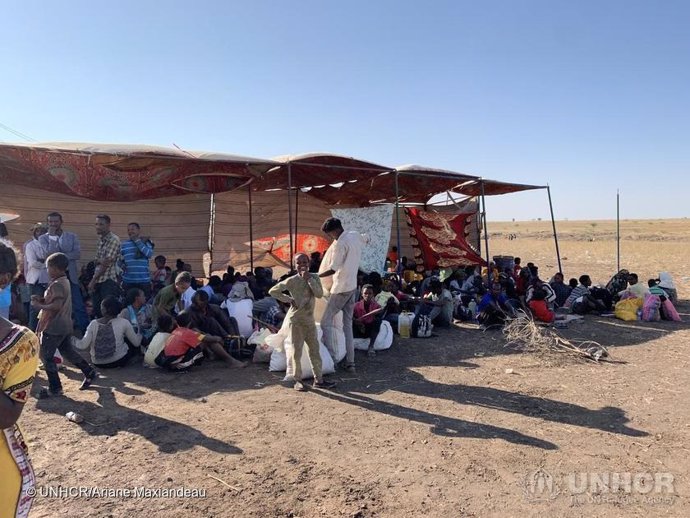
<point>488,298</point>
<point>135,255</point>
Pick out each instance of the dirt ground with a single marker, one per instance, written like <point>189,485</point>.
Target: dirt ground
<point>434,427</point>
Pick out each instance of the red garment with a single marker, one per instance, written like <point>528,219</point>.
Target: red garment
<point>362,309</point>
<point>521,285</point>
<point>516,271</point>
<point>541,311</point>
<point>181,340</point>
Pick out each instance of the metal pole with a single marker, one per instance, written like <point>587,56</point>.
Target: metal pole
<point>289,193</point>
<point>211,232</point>
<point>618,230</point>
<point>397,224</point>
<point>489,273</point>
<point>251,230</point>
<point>297,217</point>
<point>478,224</point>
<point>555,235</point>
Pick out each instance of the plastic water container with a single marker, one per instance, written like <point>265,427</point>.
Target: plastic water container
<point>405,324</point>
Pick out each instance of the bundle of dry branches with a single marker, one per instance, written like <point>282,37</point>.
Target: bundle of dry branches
<point>524,334</point>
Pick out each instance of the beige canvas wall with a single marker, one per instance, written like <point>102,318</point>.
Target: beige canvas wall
<point>178,226</point>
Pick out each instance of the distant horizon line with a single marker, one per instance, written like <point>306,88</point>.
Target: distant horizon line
<point>489,221</point>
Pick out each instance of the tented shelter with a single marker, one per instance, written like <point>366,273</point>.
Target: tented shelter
<point>208,207</point>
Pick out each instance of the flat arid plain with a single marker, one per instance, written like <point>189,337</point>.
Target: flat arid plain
<point>456,425</point>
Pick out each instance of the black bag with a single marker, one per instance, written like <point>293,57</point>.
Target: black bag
<point>421,327</point>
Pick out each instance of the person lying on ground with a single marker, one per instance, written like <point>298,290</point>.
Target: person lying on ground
<point>494,310</point>
<point>186,346</point>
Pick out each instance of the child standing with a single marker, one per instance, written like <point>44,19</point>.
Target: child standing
<point>55,325</point>
<point>304,288</point>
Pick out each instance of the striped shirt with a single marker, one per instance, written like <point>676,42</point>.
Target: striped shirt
<point>135,255</point>
<point>579,291</point>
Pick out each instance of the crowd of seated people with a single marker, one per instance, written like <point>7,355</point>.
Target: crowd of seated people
<point>174,303</point>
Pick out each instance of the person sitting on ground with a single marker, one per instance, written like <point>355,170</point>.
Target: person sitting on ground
<point>617,284</point>
<point>635,288</point>
<point>536,284</point>
<point>228,281</point>
<point>366,322</point>
<point>165,326</point>
<point>472,286</point>
<point>389,302</point>
<point>561,289</point>
<point>572,282</point>
<point>580,301</point>
<point>240,290</point>
<point>210,318</point>
<point>375,280</point>
<point>666,283</point>
<point>540,309</point>
<point>302,289</point>
<point>655,289</point>
<point>441,301</point>
<point>105,337</point>
<point>508,288</point>
<point>214,290</point>
<point>275,315</point>
<point>186,346</point>
<point>162,276</point>
<point>522,282</point>
<point>168,300</point>
<point>193,286</point>
<point>139,314</point>
<point>493,309</point>
<point>516,268</point>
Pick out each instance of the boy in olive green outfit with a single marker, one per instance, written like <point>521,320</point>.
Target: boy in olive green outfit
<point>304,288</point>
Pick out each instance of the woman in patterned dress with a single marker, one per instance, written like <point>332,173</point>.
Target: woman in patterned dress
<point>18,363</point>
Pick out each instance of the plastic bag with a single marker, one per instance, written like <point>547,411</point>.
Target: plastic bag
<point>650,308</point>
<point>670,311</point>
<point>383,341</point>
<point>626,309</point>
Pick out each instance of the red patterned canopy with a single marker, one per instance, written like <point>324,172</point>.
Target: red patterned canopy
<point>438,239</point>
<point>124,173</point>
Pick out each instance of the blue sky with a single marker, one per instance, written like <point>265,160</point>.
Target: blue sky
<point>588,96</point>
